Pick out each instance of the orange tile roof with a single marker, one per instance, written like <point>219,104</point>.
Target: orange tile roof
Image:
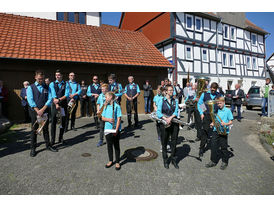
<point>41,39</point>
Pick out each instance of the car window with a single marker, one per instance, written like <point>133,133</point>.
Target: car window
<point>254,91</point>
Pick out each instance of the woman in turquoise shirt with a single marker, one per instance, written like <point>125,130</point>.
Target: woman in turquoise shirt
<point>112,117</point>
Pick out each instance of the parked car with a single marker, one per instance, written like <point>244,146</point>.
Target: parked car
<point>228,97</point>
<point>253,98</point>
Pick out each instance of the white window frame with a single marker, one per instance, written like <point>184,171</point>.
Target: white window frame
<point>233,62</point>
<point>225,63</point>
<point>226,26</point>
<point>192,23</point>
<point>235,33</point>
<point>256,39</point>
<point>248,67</point>
<point>191,52</point>
<point>256,63</point>
<point>205,60</point>
<point>201,25</point>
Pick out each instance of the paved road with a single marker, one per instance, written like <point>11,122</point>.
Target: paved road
<point>250,170</point>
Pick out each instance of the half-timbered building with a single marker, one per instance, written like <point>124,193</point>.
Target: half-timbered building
<point>226,47</point>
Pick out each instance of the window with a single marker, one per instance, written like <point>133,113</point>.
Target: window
<point>75,17</point>
<point>248,64</point>
<point>204,55</point>
<point>254,39</point>
<point>224,60</point>
<point>189,53</point>
<point>254,63</point>
<point>231,60</point>
<point>232,33</point>
<point>226,32</point>
<point>198,24</point>
<point>189,22</point>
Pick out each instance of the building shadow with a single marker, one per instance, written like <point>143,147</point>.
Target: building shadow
<point>17,141</point>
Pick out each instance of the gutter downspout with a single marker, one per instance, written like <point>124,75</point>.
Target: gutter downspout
<point>216,50</point>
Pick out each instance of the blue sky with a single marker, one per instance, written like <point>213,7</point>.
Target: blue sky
<point>261,19</point>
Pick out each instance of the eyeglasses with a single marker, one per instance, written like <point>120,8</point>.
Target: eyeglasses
<point>95,79</point>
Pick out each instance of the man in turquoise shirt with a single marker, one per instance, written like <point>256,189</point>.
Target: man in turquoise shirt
<point>39,100</point>
<point>219,140</point>
<point>74,92</point>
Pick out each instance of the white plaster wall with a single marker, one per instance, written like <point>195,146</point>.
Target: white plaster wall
<point>42,15</point>
<point>93,18</point>
<point>168,51</point>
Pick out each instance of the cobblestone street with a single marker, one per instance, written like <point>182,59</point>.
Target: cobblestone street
<point>250,169</point>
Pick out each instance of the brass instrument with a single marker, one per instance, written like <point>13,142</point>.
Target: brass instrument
<point>59,116</point>
<point>99,114</point>
<point>71,106</point>
<point>41,121</point>
<point>220,129</point>
<point>154,117</point>
<point>201,86</point>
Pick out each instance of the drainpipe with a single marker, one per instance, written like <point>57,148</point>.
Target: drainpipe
<point>216,50</point>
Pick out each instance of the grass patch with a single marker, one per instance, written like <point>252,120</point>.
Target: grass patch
<point>269,137</point>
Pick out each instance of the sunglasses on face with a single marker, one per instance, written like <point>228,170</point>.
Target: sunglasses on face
<point>95,79</point>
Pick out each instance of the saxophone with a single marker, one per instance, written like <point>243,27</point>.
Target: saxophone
<point>220,129</point>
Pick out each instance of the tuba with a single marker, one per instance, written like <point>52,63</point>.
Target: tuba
<point>220,129</point>
<point>201,83</point>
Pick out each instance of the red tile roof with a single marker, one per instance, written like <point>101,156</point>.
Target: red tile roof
<point>33,38</point>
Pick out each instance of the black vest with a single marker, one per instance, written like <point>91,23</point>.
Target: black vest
<point>60,92</point>
<point>40,99</point>
<point>93,90</point>
<point>116,87</point>
<point>131,92</point>
<point>208,97</point>
<point>165,107</point>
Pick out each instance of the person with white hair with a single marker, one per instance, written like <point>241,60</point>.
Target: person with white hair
<point>24,102</point>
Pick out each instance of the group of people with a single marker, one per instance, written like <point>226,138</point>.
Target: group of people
<point>60,99</point>
<point>55,98</point>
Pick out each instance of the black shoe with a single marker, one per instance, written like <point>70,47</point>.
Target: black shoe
<point>52,149</point>
<point>223,166</point>
<point>129,126</point>
<point>201,153</point>
<point>166,165</point>
<point>118,168</point>
<point>136,125</point>
<point>73,128</point>
<point>62,141</point>
<point>197,139</point>
<point>32,153</point>
<point>210,164</point>
<point>175,164</point>
<point>108,166</point>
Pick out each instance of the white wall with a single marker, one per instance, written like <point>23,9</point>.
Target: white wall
<point>93,18</point>
<point>43,15</point>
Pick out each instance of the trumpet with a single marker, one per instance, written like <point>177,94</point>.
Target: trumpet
<point>71,106</point>
<point>41,121</point>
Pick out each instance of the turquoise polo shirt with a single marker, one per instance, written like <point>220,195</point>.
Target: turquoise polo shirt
<point>226,115</point>
<point>160,105</point>
<point>101,100</point>
<point>157,98</point>
<point>53,92</point>
<point>120,89</point>
<point>40,89</point>
<point>108,113</point>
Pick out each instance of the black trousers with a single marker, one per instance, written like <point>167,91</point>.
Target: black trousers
<point>129,111</point>
<point>172,132</point>
<point>206,131</point>
<point>72,116</point>
<point>158,129</point>
<point>102,127</point>
<point>190,111</point>
<point>84,106</point>
<point>219,141</point>
<point>54,122</point>
<point>198,122</point>
<point>113,141</point>
<point>33,135</point>
<point>26,112</point>
<point>94,111</point>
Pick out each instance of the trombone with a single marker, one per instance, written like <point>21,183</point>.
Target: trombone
<point>41,121</point>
